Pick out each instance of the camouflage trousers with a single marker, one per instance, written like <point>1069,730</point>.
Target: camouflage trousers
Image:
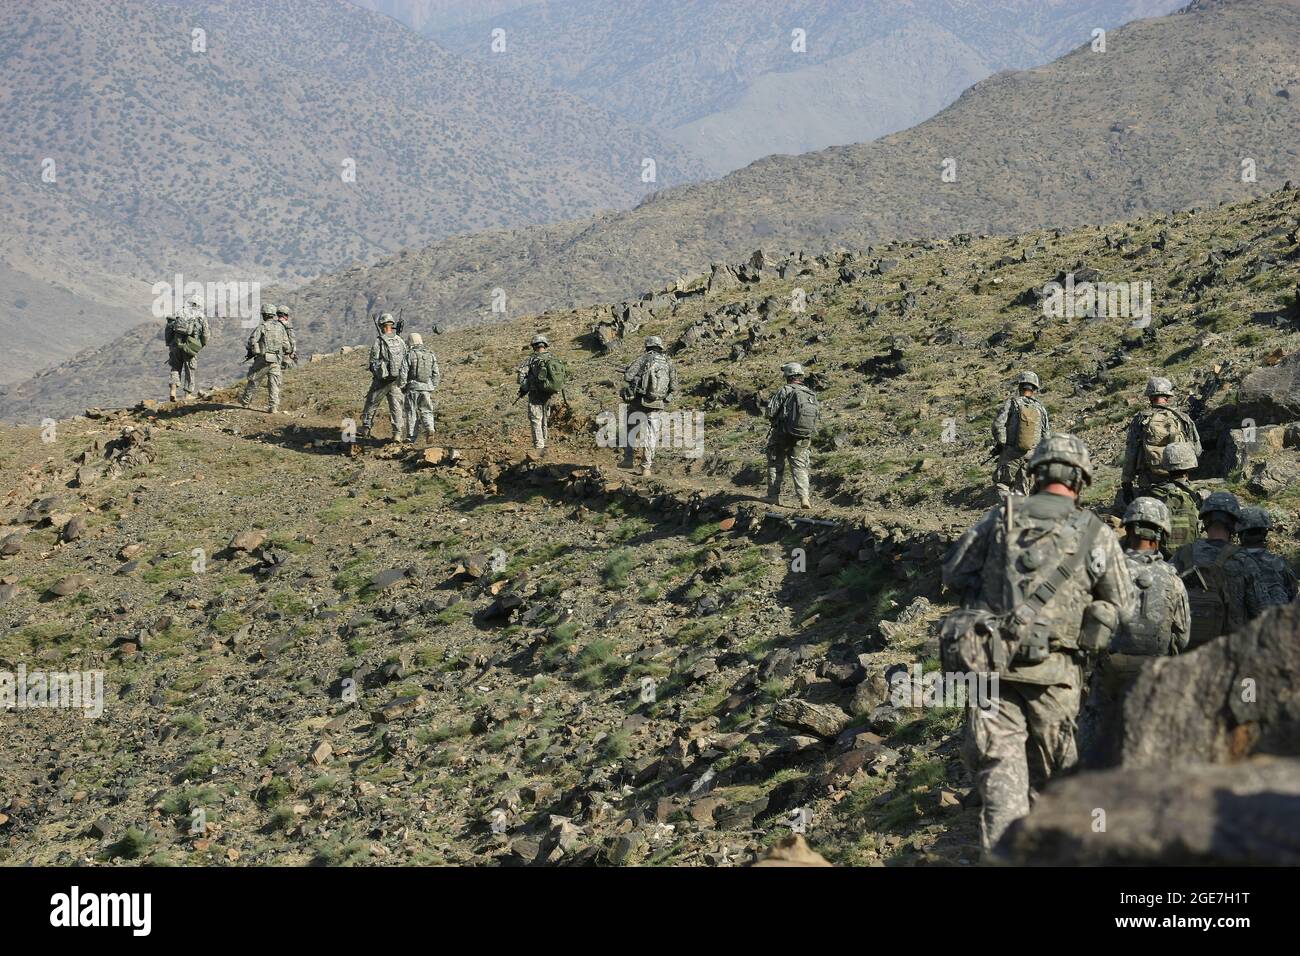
<point>538,414</point>
<point>797,452</point>
<point>184,371</point>
<point>644,426</point>
<point>272,373</point>
<point>381,389</point>
<point>1015,747</point>
<point>419,413</point>
<point>1011,475</point>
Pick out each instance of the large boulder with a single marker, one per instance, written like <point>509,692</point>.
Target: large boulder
<point>1235,696</point>
<point>1271,394</point>
<point>1202,814</point>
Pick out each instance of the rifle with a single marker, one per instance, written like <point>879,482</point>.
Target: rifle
<point>994,451</point>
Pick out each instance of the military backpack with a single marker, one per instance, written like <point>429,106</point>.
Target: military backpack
<point>548,376</point>
<point>1148,630</point>
<point>799,413</point>
<point>187,334</point>
<point>1160,427</point>
<point>1209,596</point>
<point>655,380</point>
<point>1029,425</point>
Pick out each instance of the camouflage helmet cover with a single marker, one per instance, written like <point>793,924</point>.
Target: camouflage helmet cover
<point>1178,456</point>
<point>387,319</point>
<point>1065,450</point>
<point>1224,502</point>
<point>268,308</point>
<point>1150,511</point>
<point>791,369</point>
<point>1028,378</point>
<point>540,340</point>
<point>282,310</point>
<point>1160,386</point>
<point>1254,518</point>
<point>654,342</point>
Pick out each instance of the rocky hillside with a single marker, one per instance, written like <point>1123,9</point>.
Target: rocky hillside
<point>1163,119</point>
<point>140,149</point>
<point>467,655</point>
<point>735,84</point>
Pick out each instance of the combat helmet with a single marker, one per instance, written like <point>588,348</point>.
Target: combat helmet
<point>1178,456</point>
<point>1253,518</point>
<point>1028,378</point>
<point>1222,504</point>
<point>387,319</point>
<point>282,310</point>
<point>540,340</point>
<point>791,369</point>
<point>1062,449</point>
<point>268,310</point>
<point>415,340</point>
<point>1148,511</point>
<point>654,342</point>
<point>1159,386</point>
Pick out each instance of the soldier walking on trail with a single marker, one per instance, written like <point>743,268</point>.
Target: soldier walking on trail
<point>1177,461</point>
<point>1148,433</point>
<point>270,346</point>
<point>422,377</point>
<point>1018,428</point>
<point>387,364</point>
<point>186,334</point>
<point>1252,533</point>
<point>541,380</point>
<point>651,384</point>
<point>792,412</point>
<point>1041,582</point>
<point>1225,587</point>
<point>1158,624</point>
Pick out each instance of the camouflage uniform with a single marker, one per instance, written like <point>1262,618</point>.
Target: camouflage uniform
<point>644,419</point>
<point>1162,616</point>
<point>421,375</point>
<point>271,344</point>
<point>386,383</point>
<point>1248,595</point>
<point>783,447</point>
<point>184,368</point>
<point>1174,425</point>
<point>539,403</point>
<point>1029,735</point>
<point>1011,473</point>
<point>1279,576</point>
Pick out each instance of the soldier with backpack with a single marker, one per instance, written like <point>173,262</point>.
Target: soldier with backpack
<point>270,345</point>
<point>387,363</point>
<point>650,384</point>
<point>541,380</point>
<point>421,376</point>
<point>1041,583</point>
<point>1157,624</point>
<point>1252,534</point>
<point>1018,428</point>
<point>1177,462</point>
<point>1148,433</point>
<point>1224,586</point>
<point>792,412</point>
<point>186,335</point>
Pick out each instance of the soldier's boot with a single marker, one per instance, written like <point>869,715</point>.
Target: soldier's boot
<point>805,504</point>
<point>172,394</point>
<point>364,432</point>
<point>645,469</point>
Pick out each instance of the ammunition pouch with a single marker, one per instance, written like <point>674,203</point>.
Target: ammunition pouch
<point>1100,621</point>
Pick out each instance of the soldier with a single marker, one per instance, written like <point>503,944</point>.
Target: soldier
<point>270,345</point>
<point>651,383</point>
<point>1225,588</point>
<point>187,333</point>
<point>1252,534</point>
<point>1158,623</point>
<point>1149,432</point>
<point>1051,580</point>
<point>422,377</point>
<point>541,379</point>
<point>387,364</point>
<point>793,414</point>
<point>1020,425</point>
<point>1177,461</point>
